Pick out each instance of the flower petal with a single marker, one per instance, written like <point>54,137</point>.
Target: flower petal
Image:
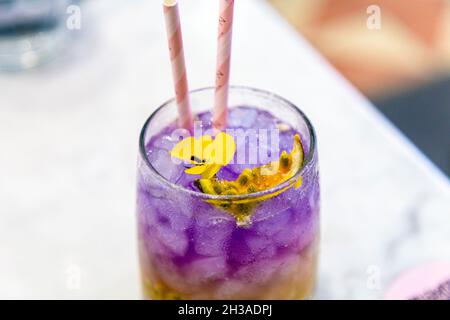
<point>223,149</point>
<point>196,169</point>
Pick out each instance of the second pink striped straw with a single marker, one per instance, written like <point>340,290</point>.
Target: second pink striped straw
<point>173,27</point>
<point>223,63</point>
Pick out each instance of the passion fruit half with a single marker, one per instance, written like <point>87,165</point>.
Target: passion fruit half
<point>255,180</point>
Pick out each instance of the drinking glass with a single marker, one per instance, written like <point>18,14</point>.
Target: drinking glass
<point>190,248</point>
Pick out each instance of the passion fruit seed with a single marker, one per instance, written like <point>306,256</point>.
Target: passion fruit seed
<point>225,205</point>
<point>217,188</point>
<point>244,179</point>
<point>285,161</point>
<point>230,192</point>
<point>243,208</point>
<point>251,189</point>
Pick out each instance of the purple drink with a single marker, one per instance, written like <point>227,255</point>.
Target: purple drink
<point>193,245</point>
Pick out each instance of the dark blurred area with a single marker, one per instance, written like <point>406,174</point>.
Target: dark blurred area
<point>423,114</point>
<point>402,66</point>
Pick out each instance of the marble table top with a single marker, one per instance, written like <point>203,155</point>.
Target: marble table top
<point>69,135</point>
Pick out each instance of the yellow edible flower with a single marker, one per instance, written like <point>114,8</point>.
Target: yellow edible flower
<point>207,155</point>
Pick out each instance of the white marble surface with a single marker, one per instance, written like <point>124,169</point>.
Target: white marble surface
<point>68,141</point>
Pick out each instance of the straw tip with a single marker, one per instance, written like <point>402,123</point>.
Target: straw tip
<point>170,3</point>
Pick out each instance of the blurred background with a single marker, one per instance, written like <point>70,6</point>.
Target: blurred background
<point>402,65</point>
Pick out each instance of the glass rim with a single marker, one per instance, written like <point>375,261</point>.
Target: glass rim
<point>308,159</point>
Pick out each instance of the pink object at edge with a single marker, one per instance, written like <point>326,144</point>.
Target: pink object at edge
<point>421,283</point>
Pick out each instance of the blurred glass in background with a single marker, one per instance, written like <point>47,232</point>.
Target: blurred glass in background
<point>32,32</point>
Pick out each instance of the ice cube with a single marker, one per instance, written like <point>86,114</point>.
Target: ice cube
<point>265,120</point>
<point>261,246</point>
<point>151,187</point>
<point>212,232</point>
<point>171,275</point>
<point>277,218</point>
<point>173,217</point>
<point>162,161</point>
<point>232,289</point>
<point>165,142</point>
<point>205,270</point>
<point>145,209</point>
<point>242,117</point>
<point>205,118</point>
<point>166,228</point>
<point>176,210</point>
<point>164,237</point>
<point>308,231</point>
<point>260,271</point>
<point>239,252</point>
<point>288,237</point>
<point>303,229</point>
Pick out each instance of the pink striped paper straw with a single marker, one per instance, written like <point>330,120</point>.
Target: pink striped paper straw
<point>175,38</point>
<point>223,63</point>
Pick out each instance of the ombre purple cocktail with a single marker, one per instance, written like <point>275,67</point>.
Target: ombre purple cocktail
<point>192,246</point>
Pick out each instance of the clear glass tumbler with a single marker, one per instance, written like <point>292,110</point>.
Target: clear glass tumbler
<point>190,248</point>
